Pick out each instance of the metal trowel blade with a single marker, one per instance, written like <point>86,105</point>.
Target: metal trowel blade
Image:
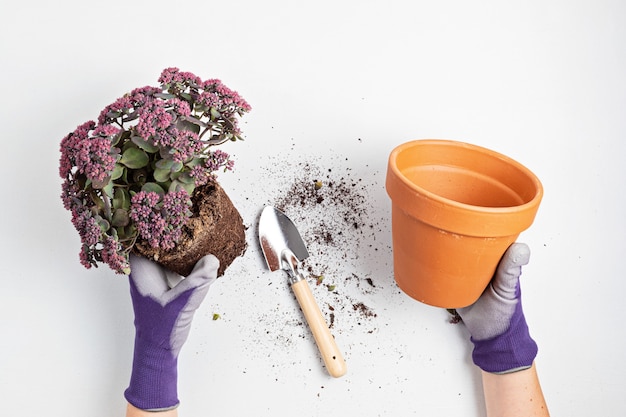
<point>277,233</point>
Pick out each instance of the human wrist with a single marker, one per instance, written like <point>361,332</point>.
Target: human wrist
<point>132,411</point>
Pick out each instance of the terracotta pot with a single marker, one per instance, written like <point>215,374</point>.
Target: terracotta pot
<point>456,208</point>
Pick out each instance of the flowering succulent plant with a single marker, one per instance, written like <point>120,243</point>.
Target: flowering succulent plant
<point>131,174</point>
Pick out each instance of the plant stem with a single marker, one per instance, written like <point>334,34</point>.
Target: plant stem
<point>107,204</point>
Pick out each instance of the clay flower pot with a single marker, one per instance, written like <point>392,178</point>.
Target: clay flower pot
<point>456,208</point>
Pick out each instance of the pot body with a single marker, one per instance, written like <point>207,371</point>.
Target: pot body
<point>456,208</point>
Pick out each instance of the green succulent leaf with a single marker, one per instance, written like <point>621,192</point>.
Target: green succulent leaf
<point>114,114</point>
<point>161,175</point>
<point>118,171</point>
<point>153,187</point>
<point>134,158</point>
<point>119,137</point>
<point>120,218</point>
<point>200,108</point>
<point>97,200</point>
<point>121,199</point>
<point>215,114</point>
<point>144,144</point>
<point>116,138</point>
<point>194,162</point>
<point>164,164</point>
<point>121,233</point>
<point>124,178</point>
<point>100,184</point>
<point>186,124</point>
<point>169,164</point>
<point>127,232</point>
<point>165,96</point>
<point>186,178</point>
<point>177,186</point>
<point>107,190</point>
<point>177,167</point>
<point>104,225</point>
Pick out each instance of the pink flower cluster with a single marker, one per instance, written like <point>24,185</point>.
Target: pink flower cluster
<point>173,75</point>
<point>125,106</point>
<point>88,148</point>
<point>159,220</point>
<point>154,119</point>
<point>95,244</point>
<point>105,164</point>
<point>87,227</point>
<point>89,232</point>
<point>213,92</point>
<point>157,122</point>
<point>205,172</point>
<point>113,254</point>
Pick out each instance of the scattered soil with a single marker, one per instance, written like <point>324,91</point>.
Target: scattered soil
<point>363,310</point>
<point>329,206</point>
<point>455,318</point>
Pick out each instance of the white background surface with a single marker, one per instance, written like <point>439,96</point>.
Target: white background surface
<point>338,84</point>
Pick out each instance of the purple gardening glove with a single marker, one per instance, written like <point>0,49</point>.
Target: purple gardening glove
<point>162,322</point>
<point>496,322</point>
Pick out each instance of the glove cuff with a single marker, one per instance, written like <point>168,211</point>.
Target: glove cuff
<point>154,378</point>
<point>513,350</point>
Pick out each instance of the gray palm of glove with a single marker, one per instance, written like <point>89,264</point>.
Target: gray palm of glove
<point>155,282</point>
<point>491,315</point>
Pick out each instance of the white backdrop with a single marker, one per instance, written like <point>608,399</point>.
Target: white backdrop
<point>335,85</point>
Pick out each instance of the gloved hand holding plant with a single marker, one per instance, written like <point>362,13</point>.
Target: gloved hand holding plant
<point>163,317</point>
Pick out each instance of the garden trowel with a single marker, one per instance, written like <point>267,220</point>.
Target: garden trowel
<point>283,248</point>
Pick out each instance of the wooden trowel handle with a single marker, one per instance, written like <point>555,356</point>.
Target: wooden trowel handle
<point>325,341</point>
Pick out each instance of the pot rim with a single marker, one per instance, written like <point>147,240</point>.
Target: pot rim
<point>492,218</point>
